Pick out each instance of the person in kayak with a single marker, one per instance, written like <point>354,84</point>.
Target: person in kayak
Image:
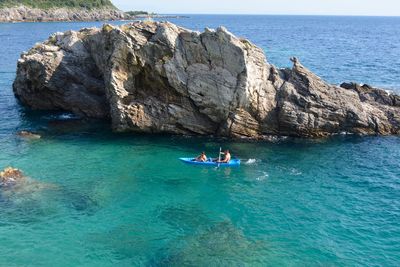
<point>201,158</point>
<point>226,159</point>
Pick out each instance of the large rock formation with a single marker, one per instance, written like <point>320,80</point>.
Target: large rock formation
<point>157,77</point>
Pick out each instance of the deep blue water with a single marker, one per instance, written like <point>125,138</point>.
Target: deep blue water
<point>103,199</point>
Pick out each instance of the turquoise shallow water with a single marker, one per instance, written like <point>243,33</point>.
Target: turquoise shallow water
<point>100,199</point>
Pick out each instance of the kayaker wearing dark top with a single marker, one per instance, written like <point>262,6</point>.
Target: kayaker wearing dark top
<point>201,158</point>
<point>227,157</point>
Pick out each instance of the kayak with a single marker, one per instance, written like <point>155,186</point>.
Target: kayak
<point>231,163</point>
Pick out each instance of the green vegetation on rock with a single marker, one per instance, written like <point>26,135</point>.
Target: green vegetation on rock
<point>47,4</point>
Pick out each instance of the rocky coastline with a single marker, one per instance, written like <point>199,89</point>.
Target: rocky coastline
<point>156,77</point>
<point>28,14</point>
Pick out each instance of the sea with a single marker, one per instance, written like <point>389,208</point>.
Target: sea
<point>97,198</point>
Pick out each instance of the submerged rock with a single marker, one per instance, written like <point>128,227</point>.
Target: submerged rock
<point>222,244</point>
<point>79,201</point>
<point>183,218</point>
<point>16,180</point>
<point>20,191</point>
<point>157,77</point>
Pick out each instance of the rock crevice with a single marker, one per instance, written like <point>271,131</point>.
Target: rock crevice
<point>158,77</point>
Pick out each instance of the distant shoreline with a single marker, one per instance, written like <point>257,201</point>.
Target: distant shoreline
<point>66,14</point>
<point>279,15</point>
<point>27,14</point>
<point>157,16</point>
<point>105,20</point>
<point>282,15</point>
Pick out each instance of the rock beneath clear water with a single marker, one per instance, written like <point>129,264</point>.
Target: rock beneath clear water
<point>18,190</point>
<point>157,77</point>
<point>222,244</point>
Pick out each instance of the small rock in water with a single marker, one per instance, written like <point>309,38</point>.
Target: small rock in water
<point>30,135</point>
<point>10,176</point>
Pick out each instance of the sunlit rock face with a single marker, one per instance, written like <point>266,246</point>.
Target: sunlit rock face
<point>11,176</point>
<point>157,77</point>
<point>28,14</point>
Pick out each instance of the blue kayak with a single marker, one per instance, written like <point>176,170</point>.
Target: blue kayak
<point>231,163</point>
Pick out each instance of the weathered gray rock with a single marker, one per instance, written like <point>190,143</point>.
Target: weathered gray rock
<point>27,14</point>
<point>157,77</point>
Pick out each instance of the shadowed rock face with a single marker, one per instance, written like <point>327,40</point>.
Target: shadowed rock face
<point>157,77</point>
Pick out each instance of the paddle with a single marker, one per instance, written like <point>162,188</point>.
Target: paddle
<point>219,157</point>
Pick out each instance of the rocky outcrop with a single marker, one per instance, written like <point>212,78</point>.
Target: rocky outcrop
<point>157,77</point>
<point>27,14</point>
<point>11,176</point>
<point>28,135</point>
